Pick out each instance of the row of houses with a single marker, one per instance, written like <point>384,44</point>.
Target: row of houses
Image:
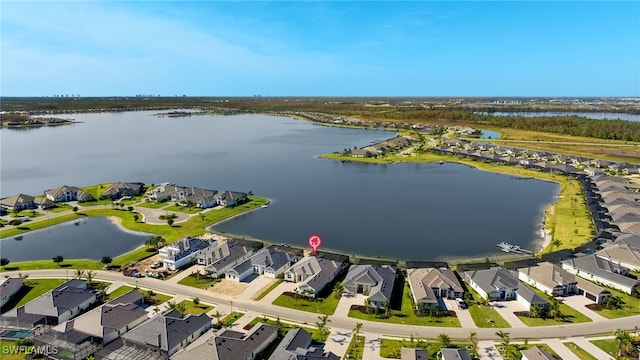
<point>68,193</point>
<point>123,329</point>
<point>193,196</point>
<point>541,160</point>
<point>381,148</point>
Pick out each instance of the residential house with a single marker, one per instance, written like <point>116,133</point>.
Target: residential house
<point>550,279</point>
<point>184,251</point>
<point>315,273</point>
<point>90,331</point>
<point>622,255</point>
<point>296,345</point>
<point>66,193</point>
<point>229,344</point>
<point>18,202</point>
<point>157,338</point>
<point>9,287</point>
<point>231,198</point>
<point>591,291</point>
<point>44,203</point>
<point>376,281</point>
<point>535,353</point>
<point>602,271</point>
<point>498,284</point>
<point>413,354</point>
<point>52,308</point>
<point>220,259</point>
<point>361,153</point>
<point>454,354</point>
<point>119,189</point>
<point>428,285</point>
<point>268,262</point>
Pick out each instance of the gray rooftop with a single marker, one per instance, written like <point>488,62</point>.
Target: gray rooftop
<point>535,353</point>
<point>9,285</point>
<point>592,264</point>
<point>413,354</point>
<point>167,330</point>
<point>454,354</point>
<point>493,279</point>
<point>380,278</point>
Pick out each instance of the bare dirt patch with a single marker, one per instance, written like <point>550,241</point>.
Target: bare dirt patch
<point>228,287</point>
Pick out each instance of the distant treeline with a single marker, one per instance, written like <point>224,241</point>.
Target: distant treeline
<point>363,108</point>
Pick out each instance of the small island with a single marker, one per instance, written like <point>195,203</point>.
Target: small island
<point>17,120</point>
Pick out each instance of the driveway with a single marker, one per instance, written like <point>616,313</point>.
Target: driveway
<point>345,303</point>
<point>487,351</point>
<point>466,321</point>
<point>506,309</point>
<point>579,303</point>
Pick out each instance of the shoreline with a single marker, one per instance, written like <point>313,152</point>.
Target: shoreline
<point>118,222</point>
<point>209,227</point>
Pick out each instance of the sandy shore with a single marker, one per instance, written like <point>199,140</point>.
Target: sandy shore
<point>118,222</point>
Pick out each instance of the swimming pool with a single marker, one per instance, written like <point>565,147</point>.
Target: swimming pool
<point>15,334</point>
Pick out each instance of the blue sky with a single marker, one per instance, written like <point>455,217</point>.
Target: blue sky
<point>307,48</point>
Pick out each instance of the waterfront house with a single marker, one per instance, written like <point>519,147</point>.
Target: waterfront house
<point>361,153</point>
<point>52,308</point>
<point>231,198</point>
<point>296,345</point>
<point>218,260</point>
<point>90,331</point>
<point>375,281</point>
<point>229,344</point>
<point>18,202</point>
<point>315,273</point>
<point>184,251</point>
<point>157,338</point>
<point>550,279</point>
<point>119,189</point>
<point>44,203</point>
<point>591,291</point>
<point>8,288</point>
<point>268,262</point>
<point>498,284</point>
<point>622,255</point>
<point>66,193</point>
<point>428,285</point>
<point>595,268</point>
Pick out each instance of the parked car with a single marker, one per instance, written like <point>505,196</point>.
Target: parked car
<point>156,265</point>
<point>461,303</point>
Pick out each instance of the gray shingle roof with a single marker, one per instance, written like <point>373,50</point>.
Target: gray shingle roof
<point>380,278</point>
<point>592,264</point>
<point>493,279</point>
<point>296,346</point>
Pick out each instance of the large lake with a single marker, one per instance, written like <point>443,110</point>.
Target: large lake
<point>401,211</point>
<point>584,114</point>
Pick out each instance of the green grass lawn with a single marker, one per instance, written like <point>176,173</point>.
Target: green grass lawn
<point>153,205</point>
<point>49,264</point>
<point>8,350</point>
<point>484,316</point>
<point>356,348</point>
<point>630,307</point>
<point>203,282</point>
<point>60,207</point>
<point>184,209</point>
<point>610,346</point>
<point>156,299</point>
<point>31,290</point>
<point>192,308</point>
<point>96,190</point>
<point>119,291</point>
<point>27,213</point>
<point>231,318</point>
<point>571,315</point>
<point>579,352</point>
<point>325,306</point>
<point>406,315</point>
<point>268,290</point>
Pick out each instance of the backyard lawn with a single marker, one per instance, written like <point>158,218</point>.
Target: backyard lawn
<point>192,308</point>
<point>31,290</point>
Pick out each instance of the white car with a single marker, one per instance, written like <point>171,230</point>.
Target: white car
<point>156,265</point>
<point>461,303</point>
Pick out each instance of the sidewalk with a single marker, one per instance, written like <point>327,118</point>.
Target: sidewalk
<point>590,348</point>
<point>338,342</point>
<point>372,346</point>
<point>564,352</point>
<point>487,350</point>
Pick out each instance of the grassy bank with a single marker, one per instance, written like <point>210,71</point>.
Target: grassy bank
<point>193,227</point>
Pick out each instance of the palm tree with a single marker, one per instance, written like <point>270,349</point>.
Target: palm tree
<point>338,289</point>
<point>356,331</point>
<point>536,310</point>
<point>445,340</point>
<point>473,339</point>
<point>181,307</point>
<point>556,243</point>
<point>322,326</point>
<point>387,306</point>
<point>89,276</point>
<point>171,305</point>
<point>217,315</point>
<point>79,273</point>
<point>624,341</point>
<point>554,308</point>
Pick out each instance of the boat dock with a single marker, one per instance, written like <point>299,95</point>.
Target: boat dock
<point>509,248</point>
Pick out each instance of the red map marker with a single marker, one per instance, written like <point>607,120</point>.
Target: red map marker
<point>314,242</point>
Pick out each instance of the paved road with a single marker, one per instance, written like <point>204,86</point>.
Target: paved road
<point>342,323</point>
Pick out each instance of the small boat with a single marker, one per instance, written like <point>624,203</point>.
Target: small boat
<point>18,237</point>
<point>440,162</point>
<point>264,206</point>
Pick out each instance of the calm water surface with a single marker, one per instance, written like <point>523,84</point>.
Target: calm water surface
<point>584,114</point>
<point>88,238</point>
<point>404,211</point>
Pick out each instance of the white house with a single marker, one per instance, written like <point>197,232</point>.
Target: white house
<point>184,251</point>
<point>315,273</point>
<point>268,262</point>
<point>599,270</point>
